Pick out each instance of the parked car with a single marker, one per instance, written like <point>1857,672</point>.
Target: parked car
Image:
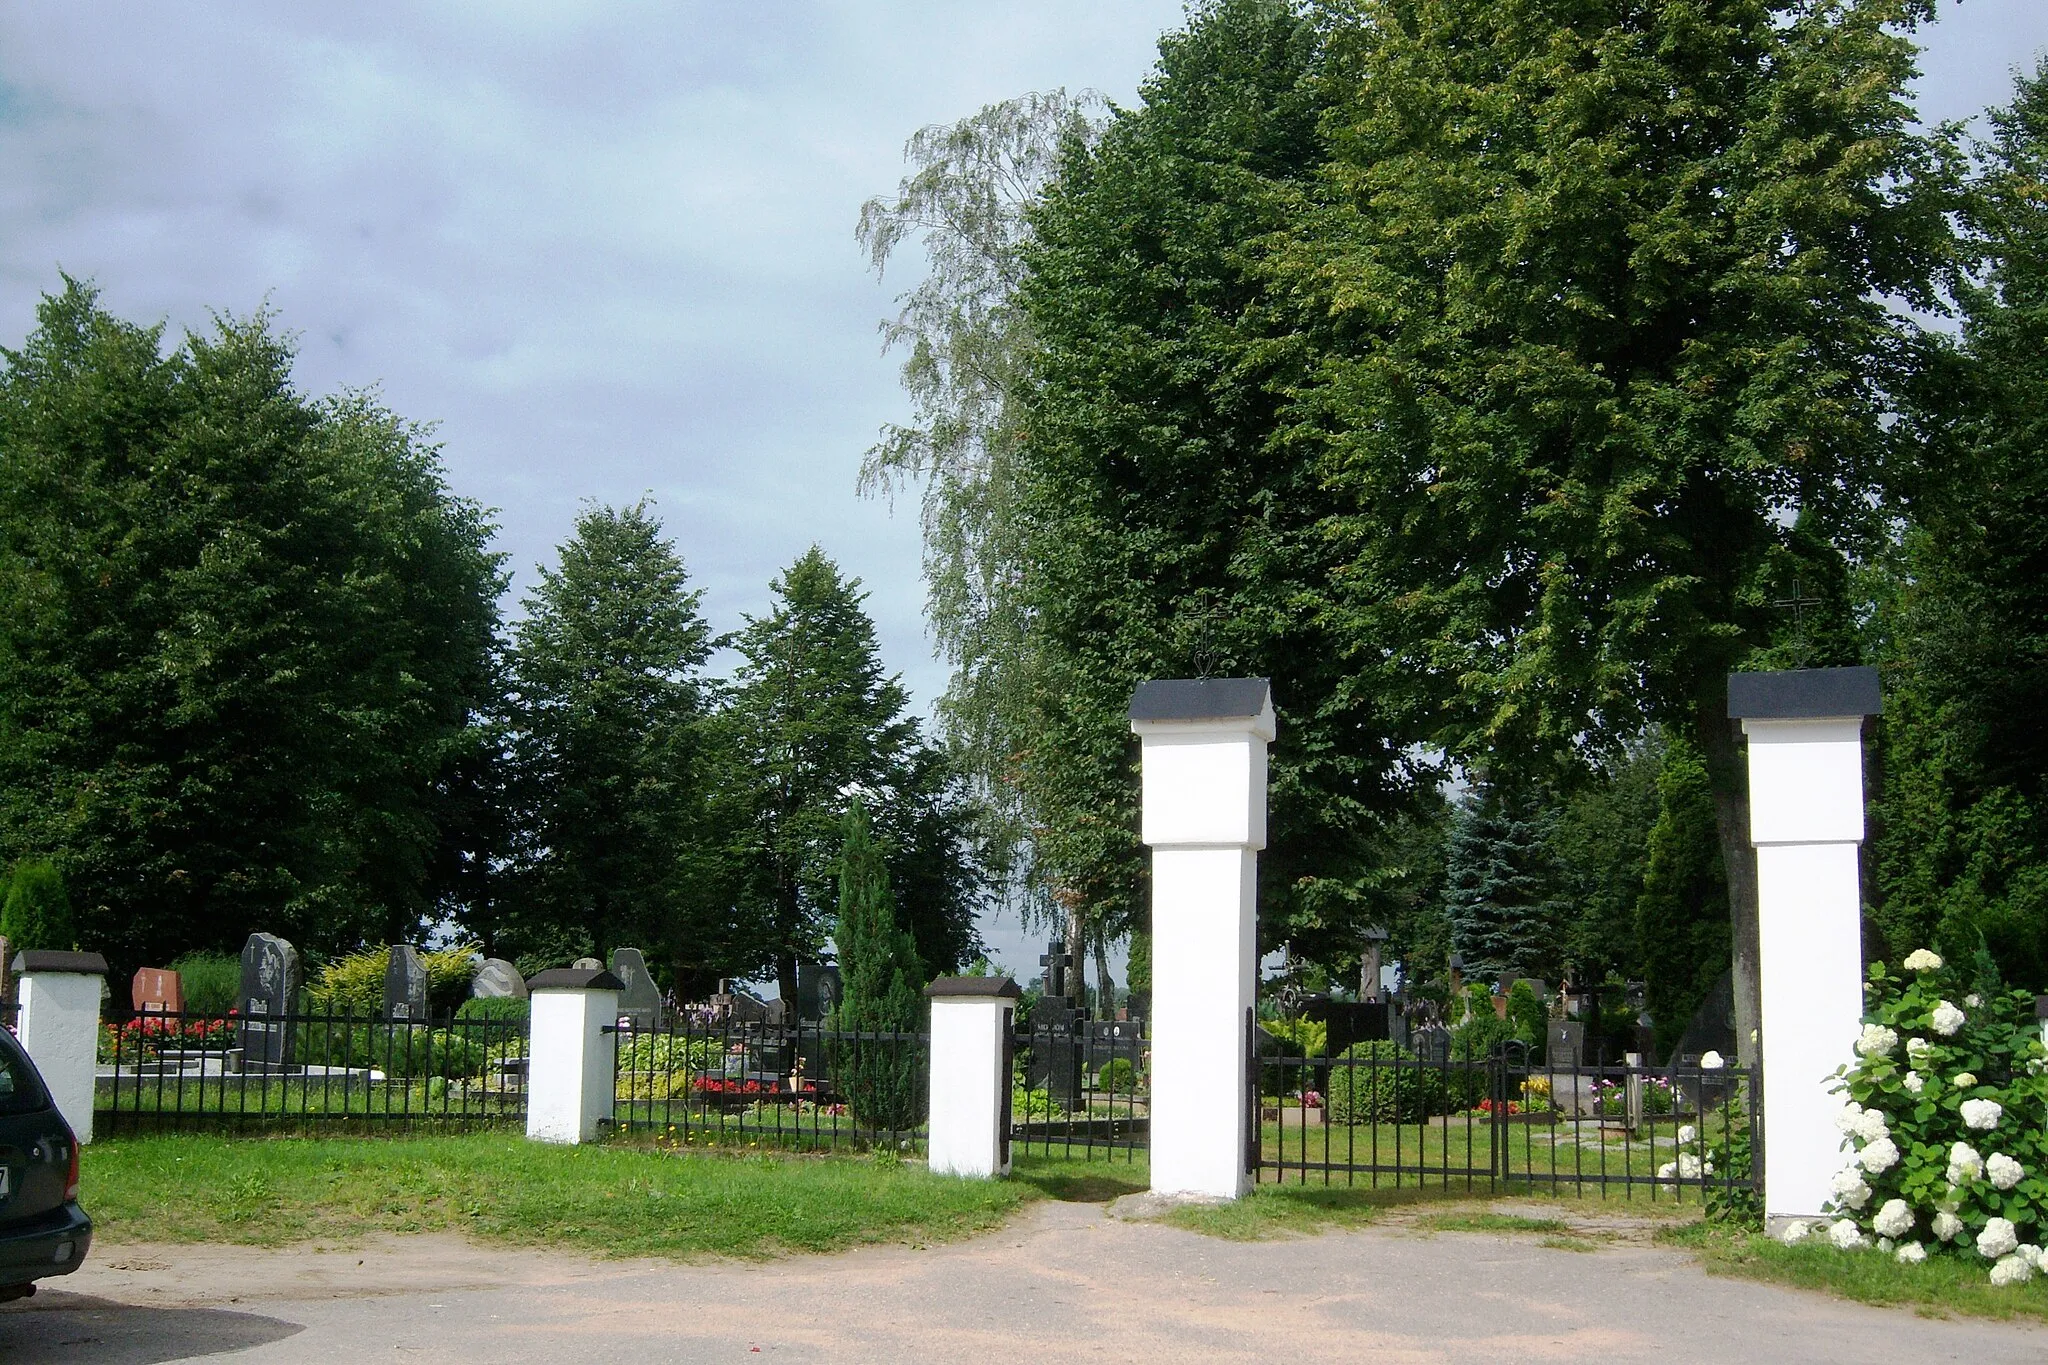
<point>43,1231</point>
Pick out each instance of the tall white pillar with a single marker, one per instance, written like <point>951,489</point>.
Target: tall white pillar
<point>1204,779</point>
<point>1805,732</point>
<point>59,1023</point>
<point>968,1130</point>
<point>571,1053</point>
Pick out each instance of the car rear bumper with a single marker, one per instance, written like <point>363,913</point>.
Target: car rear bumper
<point>52,1244</point>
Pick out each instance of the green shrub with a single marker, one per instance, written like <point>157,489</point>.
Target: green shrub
<point>398,1050</point>
<point>1473,1045</point>
<point>1398,1090</point>
<point>1117,1076</point>
<point>1525,1012</point>
<point>211,982</point>
<point>496,1007</point>
<point>660,1066</point>
<point>37,912</point>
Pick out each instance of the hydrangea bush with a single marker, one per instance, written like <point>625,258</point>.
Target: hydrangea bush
<point>1947,1123</point>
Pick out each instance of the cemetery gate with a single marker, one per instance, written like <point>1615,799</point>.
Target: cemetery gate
<point>1431,1114</point>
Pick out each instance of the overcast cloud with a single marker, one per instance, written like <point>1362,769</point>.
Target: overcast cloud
<point>608,248</point>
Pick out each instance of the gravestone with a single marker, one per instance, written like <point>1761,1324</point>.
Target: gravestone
<point>497,979</point>
<point>1056,1051</point>
<point>1565,1043</point>
<point>737,1005</point>
<point>818,991</point>
<point>640,1000</point>
<point>270,986</point>
<point>1432,1044</point>
<point>157,990</point>
<point>587,964</point>
<point>405,986</point>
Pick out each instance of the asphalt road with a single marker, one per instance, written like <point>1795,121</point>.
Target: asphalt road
<point>1066,1283</point>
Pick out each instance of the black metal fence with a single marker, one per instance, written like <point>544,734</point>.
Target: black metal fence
<point>164,1071</point>
<point>1382,1116</point>
<point>801,1086</point>
<point>1081,1091</point>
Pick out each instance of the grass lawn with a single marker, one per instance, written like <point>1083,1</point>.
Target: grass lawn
<point>605,1199</point>
<point>1937,1287</point>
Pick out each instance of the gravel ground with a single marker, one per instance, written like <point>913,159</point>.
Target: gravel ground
<point>1064,1283</point>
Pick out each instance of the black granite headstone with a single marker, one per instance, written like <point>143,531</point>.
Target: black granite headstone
<point>405,986</point>
<point>270,987</point>
<point>640,1001</point>
<point>818,991</point>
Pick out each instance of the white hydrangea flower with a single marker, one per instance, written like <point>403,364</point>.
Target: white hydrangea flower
<point>1947,1226</point>
<point>1708,1167</point>
<point>2029,1253</point>
<point>1871,1127</point>
<point>1965,1079</point>
<point>2002,1171</point>
<point>1894,1219</point>
<point>1877,1041</point>
<point>1794,1231</point>
<point>1999,1238</point>
<point>1880,1156</point>
<point>1667,1170</point>
<point>1712,1061</point>
<point>1688,1166</point>
<point>1973,1000</point>
<point>2011,1270</point>
<point>1687,1135</point>
<point>1915,1082</point>
<point>1964,1165</point>
<point>1912,1253</point>
<point>1923,960</point>
<point>1982,1114</point>
<point>1851,1114</point>
<point>1849,1190</point>
<point>1947,1019</point>
<point>1845,1235</point>
<point>1885,1244</point>
<point>1917,1050</point>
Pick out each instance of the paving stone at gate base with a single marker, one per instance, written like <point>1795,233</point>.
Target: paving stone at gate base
<point>1118,1291</point>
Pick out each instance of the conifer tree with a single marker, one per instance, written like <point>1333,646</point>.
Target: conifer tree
<point>881,985</point>
<point>37,912</point>
<point>1500,888</point>
<point>1682,929</point>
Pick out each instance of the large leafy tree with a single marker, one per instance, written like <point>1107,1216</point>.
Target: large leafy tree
<point>618,839</point>
<point>1960,842</point>
<point>1604,293</point>
<point>243,638</point>
<point>814,723</point>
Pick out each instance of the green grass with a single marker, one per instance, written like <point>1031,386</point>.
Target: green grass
<point>1287,1211</point>
<point>1938,1286</point>
<point>603,1199</point>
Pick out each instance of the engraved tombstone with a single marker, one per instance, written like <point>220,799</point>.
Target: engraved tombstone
<point>818,989</point>
<point>640,1001</point>
<point>405,986</point>
<point>270,985</point>
<point>497,979</point>
<point>157,990</point>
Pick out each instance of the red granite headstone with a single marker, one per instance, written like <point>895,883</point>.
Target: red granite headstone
<point>157,990</point>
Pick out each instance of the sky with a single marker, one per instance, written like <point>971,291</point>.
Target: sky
<point>606,248</point>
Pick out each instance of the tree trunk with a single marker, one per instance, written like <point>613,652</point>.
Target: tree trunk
<point>1728,775</point>
<point>785,985</point>
<point>1077,940</point>
<point>1105,989</point>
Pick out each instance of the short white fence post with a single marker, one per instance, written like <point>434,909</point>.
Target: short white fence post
<point>1805,732</point>
<point>571,1053</point>
<point>1204,778</point>
<point>59,1024</point>
<point>968,1132</point>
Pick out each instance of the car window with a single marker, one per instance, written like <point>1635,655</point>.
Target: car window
<point>19,1091</point>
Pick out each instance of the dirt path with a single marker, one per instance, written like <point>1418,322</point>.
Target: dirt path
<point>1066,1283</point>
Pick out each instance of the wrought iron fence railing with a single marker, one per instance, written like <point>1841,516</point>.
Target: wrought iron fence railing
<point>1081,1090</point>
<point>315,1067</point>
<point>1385,1117</point>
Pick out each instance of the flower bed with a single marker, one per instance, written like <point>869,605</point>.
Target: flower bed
<point>1946,1118</point>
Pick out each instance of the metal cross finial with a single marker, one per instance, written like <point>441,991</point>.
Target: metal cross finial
<point>1797,604</point>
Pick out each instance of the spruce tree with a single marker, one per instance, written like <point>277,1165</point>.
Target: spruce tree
<point>1681,921</point>
<point>881,983</point>
<point>1500,887</point>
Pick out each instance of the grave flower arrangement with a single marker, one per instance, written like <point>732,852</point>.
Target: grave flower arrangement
<point>1947,1125</point>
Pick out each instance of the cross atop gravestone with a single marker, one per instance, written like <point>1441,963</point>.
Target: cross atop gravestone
<point>639,1000</point>
<point>270,986</point>
<point>405,986</point>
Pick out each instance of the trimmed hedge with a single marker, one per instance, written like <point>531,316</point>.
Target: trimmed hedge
<point>1400,1090</point>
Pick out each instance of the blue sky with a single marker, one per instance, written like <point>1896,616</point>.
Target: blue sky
<point>608,248</point>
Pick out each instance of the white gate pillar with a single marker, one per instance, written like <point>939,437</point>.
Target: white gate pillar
<point>1204,780</point>
<point>571,1053</point>
<point>59,1022</point>
<point>1805,732</point>
<point>969,1129</point>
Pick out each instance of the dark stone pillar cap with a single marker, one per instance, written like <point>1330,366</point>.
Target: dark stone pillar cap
<point>972,986</point>
<point>1201,699</point>
<point>46,960</point>
<point>574,979</point>
<point>1804,694</point>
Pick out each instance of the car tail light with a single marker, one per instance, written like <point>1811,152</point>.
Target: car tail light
<point>71,1178</point>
